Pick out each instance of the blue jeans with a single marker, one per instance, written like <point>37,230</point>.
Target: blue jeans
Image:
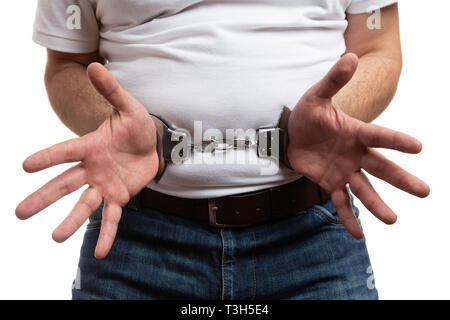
<point>308,255</point>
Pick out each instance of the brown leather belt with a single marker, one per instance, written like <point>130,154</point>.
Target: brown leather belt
<point>237,210</point>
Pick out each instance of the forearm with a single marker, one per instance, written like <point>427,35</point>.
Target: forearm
<point>372,88</point>
<point>73,98</point>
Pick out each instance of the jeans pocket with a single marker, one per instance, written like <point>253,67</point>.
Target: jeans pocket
<point>327,212</point>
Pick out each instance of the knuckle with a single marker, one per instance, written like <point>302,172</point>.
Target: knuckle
<point>68,151</point>
<point>111,220</point>
<point>372,205</point>
<point>395,140</point>
<point>76,221</point>
<point>65,186</point>
<point>48,154</point>
<point>40,198</point>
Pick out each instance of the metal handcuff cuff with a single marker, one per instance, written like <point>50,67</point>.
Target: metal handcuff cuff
<point>271,142</point>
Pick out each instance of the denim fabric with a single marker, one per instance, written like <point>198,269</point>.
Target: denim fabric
<point>308,255</point>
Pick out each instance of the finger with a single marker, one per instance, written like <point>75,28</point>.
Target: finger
<point>68,151</point>
<point>105,83</point>
<point>342,202</point>
<point>374,136</point>
<point>89,201</point>
<point>64,184</point>
<point>337,77</point>
<point>110,221</point>
<point>377,165</point>
<point>364,191</point>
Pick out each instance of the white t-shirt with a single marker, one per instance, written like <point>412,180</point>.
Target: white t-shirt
<point>231,64</point>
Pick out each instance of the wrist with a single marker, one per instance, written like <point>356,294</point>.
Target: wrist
<point>160,153</point>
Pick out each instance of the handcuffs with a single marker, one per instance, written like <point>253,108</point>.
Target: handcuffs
<point>175,145</point>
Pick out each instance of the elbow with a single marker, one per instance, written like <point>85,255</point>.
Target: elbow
<point>52,70</point>
<point>396,71</point>
<point>393,67</point>
<point>400,63</point>
<point>390,71</point>
<point>398,66</point>
<point>391,89</point>
<point>49,76</point>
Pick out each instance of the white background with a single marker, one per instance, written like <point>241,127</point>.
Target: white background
<point>410,259</point>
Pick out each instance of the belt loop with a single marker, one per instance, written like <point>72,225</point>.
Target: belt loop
<point>135,202</point>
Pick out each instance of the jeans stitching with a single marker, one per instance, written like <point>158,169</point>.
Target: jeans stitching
<point>342,289</point>
<point>224,246</point>
<point>254,266</point>
<point>326,217</point>
<point>94,226</point>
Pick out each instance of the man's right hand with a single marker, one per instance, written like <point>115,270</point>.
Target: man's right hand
<point>116,161</point>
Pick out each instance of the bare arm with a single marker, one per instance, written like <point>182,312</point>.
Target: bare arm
<point>374,84</point>
<point>79,106</point>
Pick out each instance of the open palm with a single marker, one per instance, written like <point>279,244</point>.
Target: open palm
<point>116,161</point>
<point>331,148</point>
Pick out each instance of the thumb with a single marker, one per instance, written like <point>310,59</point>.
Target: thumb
<point>105,83</point>
<point>337,77</point>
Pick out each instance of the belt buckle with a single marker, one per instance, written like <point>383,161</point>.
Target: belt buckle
<point>212,210</point>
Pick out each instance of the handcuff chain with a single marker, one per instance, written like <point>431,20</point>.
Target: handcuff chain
<point>212,145</point>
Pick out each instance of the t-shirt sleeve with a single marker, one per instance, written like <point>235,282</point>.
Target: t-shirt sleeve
<point>363,6</point>
<point>66,26</point>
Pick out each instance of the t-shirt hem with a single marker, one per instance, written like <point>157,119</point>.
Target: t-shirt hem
<point>64,44</point>
<point>216,192</point>
<point>358,8</point>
